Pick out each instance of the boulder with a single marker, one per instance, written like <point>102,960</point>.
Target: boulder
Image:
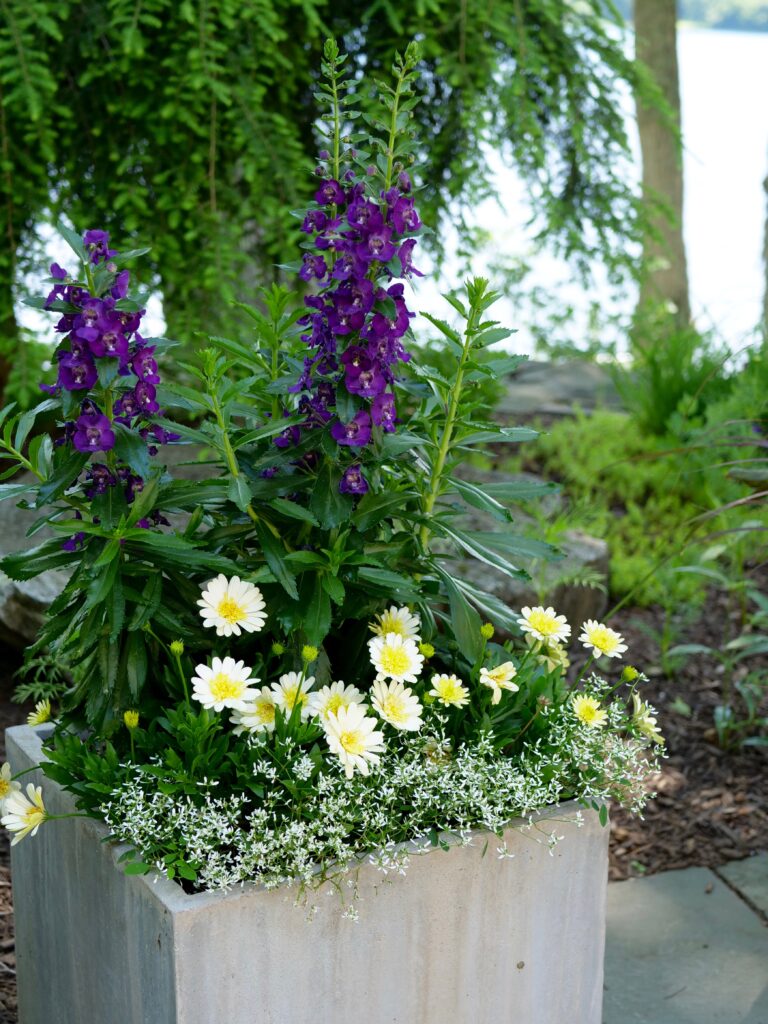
<point>543,390</point>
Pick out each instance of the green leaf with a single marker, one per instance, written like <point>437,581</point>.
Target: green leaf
<point>73,240</point>
<point>443,327</point>
<point>131,448</point>
<point>478,550</point>
<point>13,490</point>
<point>150,602</point>
<point>603,814</point>
<point>66,470</point>
<point>331,508</point>
<point>293,511</point>
<point>391,582</point>
<point>465,621</point>
<point>136,663</point>
<point>275,555</point>
<point>25,565</point>
<point>317,617</point>
<point>479,498</point>
<point>375,507</point>
<point>333,587</point>
<point>239,493</point>
<point>107,370</point>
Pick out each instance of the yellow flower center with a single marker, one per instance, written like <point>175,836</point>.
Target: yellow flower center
<point>394,709</point>
<point>223,687</point>
<point>392,624</point>
<point>33,816</point>
<point>501,675</point>
<point>265,711</point>
<point>543,623</point>
<point>394,661</point>
<point>352,742</point>
<point>450,690</point>
<point>230,610</point>
<point>604,639</point>
<point>294,695</point>
<point>5,788</point>
<point>335,701</point>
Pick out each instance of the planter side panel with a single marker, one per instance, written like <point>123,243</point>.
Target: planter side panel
<point>93,946</point>
<point>463,938</point>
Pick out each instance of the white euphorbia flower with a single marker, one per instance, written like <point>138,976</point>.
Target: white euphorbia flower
<point>449,690</point>
<point>352,736</point>
<point>232,605</point>
<point>602,640</point>
<point>401,621</point>
<point>258,715</point>
<point>395,657</point>
<point>24,814</point>
<point>329,699</point>
<point>397,704</point>
<point>291,690</point>
<point>499,678</point>
<point>223,685</point>
<point>7,785</point>
<point>545,624</point>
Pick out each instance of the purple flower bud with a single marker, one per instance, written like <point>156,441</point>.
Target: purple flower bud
<point>404,216</point>
<point>405,255</point>
<point>93,433</point>
<point>58,272</point>
<point>354,434</point>
<point>404,181</point>
<point>324,155</point>
<point>120,288</point>
<point>74,543</point>
<point>353,481</point>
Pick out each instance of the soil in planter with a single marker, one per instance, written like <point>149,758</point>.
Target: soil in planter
<point>712,805</point>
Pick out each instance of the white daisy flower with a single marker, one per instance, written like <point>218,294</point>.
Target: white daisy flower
<point>258,715</point>
<point>644,720</point>
<point>223,685</point>
<point>291,690</point>
<point>545,624</point>
<point>231,606</point>
<point>499,678</point>
<point>402,621</point>
<point>602,639</point>
<point>352,736</point>
<point>397,704</point>
<point>24,814</point>
<point>8,785</point>
<point>395,657</point>
<point>329,699</point>
<point>449,690</point>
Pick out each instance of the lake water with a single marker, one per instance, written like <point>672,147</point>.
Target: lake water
<point>724,96</point>
<point>724,87</point>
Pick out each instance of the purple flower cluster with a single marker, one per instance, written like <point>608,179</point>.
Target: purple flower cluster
<point>98,328</point>
<point>358,317</point>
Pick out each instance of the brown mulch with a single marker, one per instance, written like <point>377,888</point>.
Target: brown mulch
<point>711,807</point>
<point>712,804</point>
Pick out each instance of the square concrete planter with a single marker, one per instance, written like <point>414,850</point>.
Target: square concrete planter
<point>463,938</point>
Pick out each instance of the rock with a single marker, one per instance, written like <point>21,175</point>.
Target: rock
<point>551,390</point>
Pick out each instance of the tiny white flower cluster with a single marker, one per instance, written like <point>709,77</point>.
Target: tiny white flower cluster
<point>414,799</point>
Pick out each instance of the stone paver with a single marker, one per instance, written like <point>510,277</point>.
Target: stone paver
<point>750,877</point>
<point>683,948</point>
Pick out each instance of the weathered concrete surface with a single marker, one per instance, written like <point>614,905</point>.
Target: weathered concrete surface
<point>464,938</point>
<point>683,948</point>
<point>750,878</point>
<point>551,390</point>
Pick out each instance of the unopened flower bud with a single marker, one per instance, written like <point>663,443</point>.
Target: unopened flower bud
<point>277,649</point>
<point>177,648</point>
<point>629,674</point>
<point>131,720</point>
<point>427,650</point>
<point>309,653</point>
<point>486,631</point>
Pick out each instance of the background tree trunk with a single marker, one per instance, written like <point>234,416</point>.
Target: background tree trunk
<point>665,277</point>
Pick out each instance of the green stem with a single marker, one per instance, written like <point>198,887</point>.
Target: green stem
<point>436,477</point>
<point>393,128</point>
